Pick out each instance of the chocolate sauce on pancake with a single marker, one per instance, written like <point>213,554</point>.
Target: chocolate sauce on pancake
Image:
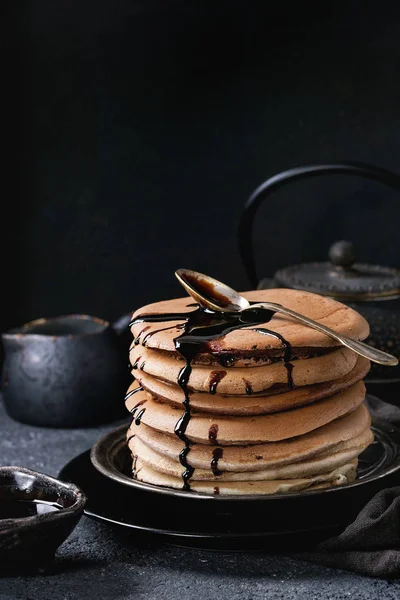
<point>129,394</point>
<point>212,434</point>
<point>287,355</point>
<point>139,416</point>
<point>249,389</point>
<point>200,328</point>
<point>136,363</point>
<point>137,339</point>
<point>217,454</point>
<point>134,409</point>
<point>151,333</point>
<point>226,360</point>
<point>216,377</point>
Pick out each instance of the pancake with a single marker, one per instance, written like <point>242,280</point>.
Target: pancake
<point>246,343</point>
<point>343,474</point>
<point>273,401</point>
<point>347,432</point>
<point>260,408</point>
<point>238,381</point>
<point>296,470</point>
<point>225,430</point>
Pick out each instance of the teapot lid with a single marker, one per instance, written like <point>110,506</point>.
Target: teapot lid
<point>342,278</point>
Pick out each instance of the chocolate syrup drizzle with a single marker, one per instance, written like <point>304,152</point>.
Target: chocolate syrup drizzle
<point>139,416</point>
<point>129,394</point>
<point>287,355</point>
<point>134,409</point>
<point>200,328</point>
<point>217,454</point>
<point>212,434</point>
<point>151,333</point>
<point>249,389</point>
<point>136,363</point>
<point>136,341</point>
<point>215,378</point>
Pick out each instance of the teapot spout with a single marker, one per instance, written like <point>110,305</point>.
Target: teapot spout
<point>121,325</point>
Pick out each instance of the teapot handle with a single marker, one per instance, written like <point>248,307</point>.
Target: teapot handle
<point>245,229</point>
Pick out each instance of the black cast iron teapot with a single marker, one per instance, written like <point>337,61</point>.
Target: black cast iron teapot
<point>373,290</point>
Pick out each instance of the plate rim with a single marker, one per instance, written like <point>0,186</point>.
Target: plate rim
<point>114,475</point>
<point>190,534</point>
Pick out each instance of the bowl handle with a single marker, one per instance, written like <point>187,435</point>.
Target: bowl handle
<point>245,228</point>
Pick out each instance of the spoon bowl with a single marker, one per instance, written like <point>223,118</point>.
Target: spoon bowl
<point>211,293</point>
<point>214,295</point>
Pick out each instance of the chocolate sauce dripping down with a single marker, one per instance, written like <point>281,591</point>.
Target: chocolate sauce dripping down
<point>249,389</point>
<point>151,333</point>
<point>287,355</point>
<point>134,465</point>
<point>200,328</point>
<point>212,433</point>
<point>181,425</point>
<point>216,490</point>
<point>134,409</point>
<point>136,341</point>
<point>215,378</point>
<point>289,369</point>
<point>129,394</point>
<point>136,363</point>
<point>139,416</point>
<point>217,454</point>
<point>226,361</point>
<point>159,318</point>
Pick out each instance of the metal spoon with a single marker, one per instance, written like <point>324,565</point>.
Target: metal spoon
<point>212,294</point>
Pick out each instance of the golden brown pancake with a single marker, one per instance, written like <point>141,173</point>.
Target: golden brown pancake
<point>296,470</point>
<point>245,343</point>
<point>237,381</point>
<point>347,432</point>
<point>262,414</point>
<point>248,404</point>
<point>207,429</point>
<point>343,474</point>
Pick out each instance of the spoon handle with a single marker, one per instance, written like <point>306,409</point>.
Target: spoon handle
<point>361,348</point>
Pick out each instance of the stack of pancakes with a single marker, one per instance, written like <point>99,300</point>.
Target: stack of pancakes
<point>258,423</point>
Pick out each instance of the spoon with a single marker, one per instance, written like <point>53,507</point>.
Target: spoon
<point>212,294</point>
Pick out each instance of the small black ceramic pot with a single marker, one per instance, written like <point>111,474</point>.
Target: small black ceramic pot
<point>68,371</point>
<point>53,508</point>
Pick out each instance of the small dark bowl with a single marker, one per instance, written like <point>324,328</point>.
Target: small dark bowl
<point>30,542</point>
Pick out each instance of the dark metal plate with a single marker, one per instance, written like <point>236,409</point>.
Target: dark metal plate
<point>295,520</point>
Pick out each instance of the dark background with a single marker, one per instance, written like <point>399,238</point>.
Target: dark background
<point>135,131</point>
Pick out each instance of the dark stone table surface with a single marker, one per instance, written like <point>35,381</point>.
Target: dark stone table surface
<point>101,561</point>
